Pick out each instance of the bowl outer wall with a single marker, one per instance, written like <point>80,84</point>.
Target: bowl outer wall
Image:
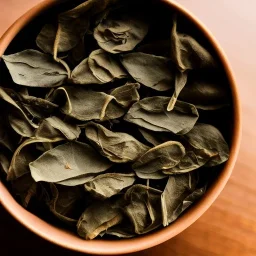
<point>64,238</point>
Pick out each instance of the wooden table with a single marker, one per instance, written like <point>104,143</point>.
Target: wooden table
<point>229,226</point>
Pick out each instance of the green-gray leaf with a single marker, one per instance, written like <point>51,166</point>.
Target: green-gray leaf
<point>121,30</point>
<point>99,68</point>
<point>53,127</point>
<point>161,157</point>
<point>143,208</point>
<point>116,146</point>
<point>207,138</point>
<point>109,184</point>
<point>67,161</point>
<point>151,113</point>
<point>152,71</point>
<point>187,53</point>
<point>177,189</point>
<point>98,217</point>
<point>35,69</point>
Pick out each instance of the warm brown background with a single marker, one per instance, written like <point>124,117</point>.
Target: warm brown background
<point>229,226</point>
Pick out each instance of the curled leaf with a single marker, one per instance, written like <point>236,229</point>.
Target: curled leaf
<point>121,30</point>
<point>152,71</point>
<point>99,68</point>
<point>116,146</point>
<point>97,218</point>
<point>46,37</point>
<point>67,161</point>
<point>36,69</point>
<point>161,157</point>
<point>205,94</point>
<point>74,23</point>
<point>25,154</point>
<point>187,53</point>
<point>151,113</point>
<point>4,163</point>
<point>66,203</point>
<point>177,189</point>
<point>143,208</point>
<point>109,184</point>
<point>80,103</point>
<point>18,120</point>
<point>53,127</point>
<point>25,188</point>
<point>208,139</point>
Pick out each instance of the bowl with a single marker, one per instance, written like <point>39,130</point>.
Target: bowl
<point>68,240</point>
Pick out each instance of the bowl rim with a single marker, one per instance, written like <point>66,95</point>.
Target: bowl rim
<point>69,241</point>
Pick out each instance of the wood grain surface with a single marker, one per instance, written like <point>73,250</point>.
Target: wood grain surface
<point>229,226</point>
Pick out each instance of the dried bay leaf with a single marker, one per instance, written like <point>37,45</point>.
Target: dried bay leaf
<point>53,127</point>
<point>36,69</point>
<point>99,68</point>
<point>177,189</point>
<point>67,161</point>
<point>180,82</point>
<point>79,180</point>
<point>151,113</point>
<point>116,146</point>
<point>127,94</point>
<point>17,118</point>
<point>4,163</point>
<point>121,29</point>
<point>143,208</point>
<point>161,157</point>
<point>85,105</point>
<point>74,23</point>
<point>187,53</point>
<point>46,37</point>
<point>25,188</point>
<point>66,203</point>
<point>152,71</point>
<point>208,139</point>
<point>24,155</point>
<point>109,184</point>
<point>98,217</point>
<point>206,94</point>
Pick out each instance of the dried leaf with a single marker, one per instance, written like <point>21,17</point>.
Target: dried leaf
<point>67,161</point>
<point>116,146</point>
<point>46,37</point>
<point>4,163</point>
<point>208,139</point>
<point>187,53</point>
<point>109,184</point>
<point>86,105</point>
<point>98,217</point>
<point>152,71</point>
<point>99,68</point>
<point>177,189</point>
<point>23,155</point>
<point>53,127</point>
<point>143,208</point>
<point>66,203</point>
<point>127,94</point>
<point>180,82</point>
<point>151,113</point>
<point>206,94</point>
<point>36,69</point>
<point>121,29</point>
<point>25,188</point>
<point>17,117</point>
<point>74,23</point>
<point>161,157</point>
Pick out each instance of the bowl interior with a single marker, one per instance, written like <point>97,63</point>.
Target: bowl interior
<point>24,32</point>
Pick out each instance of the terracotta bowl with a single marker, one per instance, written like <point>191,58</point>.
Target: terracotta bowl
<point>70,241</point>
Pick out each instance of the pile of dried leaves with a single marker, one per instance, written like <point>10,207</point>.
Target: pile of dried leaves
<point>112,144</point>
